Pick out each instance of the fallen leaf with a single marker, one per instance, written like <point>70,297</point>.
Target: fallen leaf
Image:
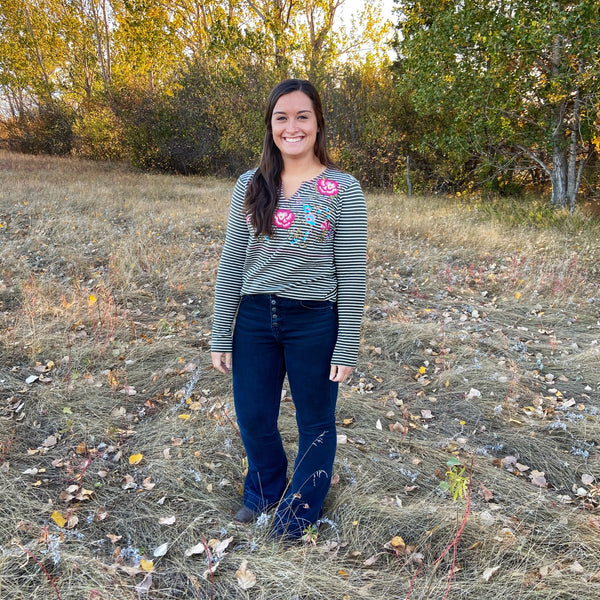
<point>399,427</point>
<point>587,479</point>
<point>537,478</point>
<point>371,560</point>
<point>378,425</point>
<point>130,483</point>
<point>487,494</point>
<point>211,569</point>
<point>144,586</point>
<point>245,578</point>
<point>135,459</point>
<point>489,573</point>
<point>72,521</point>
<point>197,549</point>
<point>167,520</point>
<point>50,441</point>
<point>58,519</point>
<point>113,538</point>
<point>161,550</point>
<point>147,565</point>
<point>147,484</point>
<point>220,547</point>
<point>129,390</point>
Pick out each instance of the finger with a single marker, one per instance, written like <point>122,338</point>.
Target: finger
<point>219,361</point>
<point>341,373</point>
<point>333,372</point>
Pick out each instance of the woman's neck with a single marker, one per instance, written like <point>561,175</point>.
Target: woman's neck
<point>302,169</point>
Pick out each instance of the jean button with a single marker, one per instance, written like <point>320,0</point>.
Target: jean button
<point>273,302</point>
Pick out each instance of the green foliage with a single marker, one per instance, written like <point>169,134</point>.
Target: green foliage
<point>496,83</point>
<point>457,479</point>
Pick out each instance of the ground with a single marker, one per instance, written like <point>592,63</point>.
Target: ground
<point>467,463</point>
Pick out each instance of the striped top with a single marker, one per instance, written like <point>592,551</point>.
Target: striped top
<point>317,252</point>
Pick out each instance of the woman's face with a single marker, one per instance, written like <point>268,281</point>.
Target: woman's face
<point>294,126</point>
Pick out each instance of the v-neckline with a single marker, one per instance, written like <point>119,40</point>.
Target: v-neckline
<point>302,184</point>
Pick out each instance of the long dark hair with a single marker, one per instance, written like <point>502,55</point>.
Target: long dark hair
<point>264,188</point>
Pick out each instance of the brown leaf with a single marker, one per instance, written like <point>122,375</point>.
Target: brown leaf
<point>49,441</point>
<point>371,560</point>
<point>113,538</point>
<point>487,494</point>
<point>245,578</point>
<point>220,547</point>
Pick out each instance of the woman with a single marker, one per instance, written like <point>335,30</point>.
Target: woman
<point>293,270</point>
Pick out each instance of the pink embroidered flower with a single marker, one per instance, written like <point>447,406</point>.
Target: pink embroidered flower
<point>327,187</point>
<point>326,226</point>
<point>283,218</point>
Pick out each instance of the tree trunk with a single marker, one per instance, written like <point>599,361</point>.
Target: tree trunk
<point>559,176</point>
<point>574,178</point>
<point>559,158</point>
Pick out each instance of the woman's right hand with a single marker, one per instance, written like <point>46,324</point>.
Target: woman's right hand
<point>221,361</point>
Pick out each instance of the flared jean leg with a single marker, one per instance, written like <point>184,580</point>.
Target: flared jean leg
<point>258,373</point>
<point>308,352</point>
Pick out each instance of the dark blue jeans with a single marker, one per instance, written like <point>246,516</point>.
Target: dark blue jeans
<point>274,336</point>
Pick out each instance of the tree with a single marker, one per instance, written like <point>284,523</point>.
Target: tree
<point>510,83</point>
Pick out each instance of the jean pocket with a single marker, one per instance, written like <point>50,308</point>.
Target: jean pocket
<point>317,304</point>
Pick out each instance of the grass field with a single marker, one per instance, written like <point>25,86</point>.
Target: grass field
<point>468,463</point>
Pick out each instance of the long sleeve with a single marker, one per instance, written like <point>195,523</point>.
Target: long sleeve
<point>350,255</point>
<point>230,273</point>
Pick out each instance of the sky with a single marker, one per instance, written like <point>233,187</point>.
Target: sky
<point>354,6</point>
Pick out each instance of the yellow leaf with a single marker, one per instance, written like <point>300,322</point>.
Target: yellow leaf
<point>183,417</point>
<point>422,370</point>
<point>397,542</point>
<point>58,519</point>
<point>518,295</point>
<point>135,459</point>
<point>147,565</point>
<point>92,300</point>
<point>343,573</point>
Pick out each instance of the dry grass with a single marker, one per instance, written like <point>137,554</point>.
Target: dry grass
<point>480,342</point>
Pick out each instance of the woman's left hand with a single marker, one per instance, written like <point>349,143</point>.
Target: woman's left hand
<point>340,373</point>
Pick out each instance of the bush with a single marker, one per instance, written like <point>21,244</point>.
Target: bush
<point>98,134</point>
<point>45,130</point>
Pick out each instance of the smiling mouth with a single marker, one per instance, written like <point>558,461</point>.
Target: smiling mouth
<point>293,140</point>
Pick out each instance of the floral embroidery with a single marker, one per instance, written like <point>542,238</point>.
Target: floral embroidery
<point>283,218</point>
<point>326,225</point>
<point>327,187</point>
